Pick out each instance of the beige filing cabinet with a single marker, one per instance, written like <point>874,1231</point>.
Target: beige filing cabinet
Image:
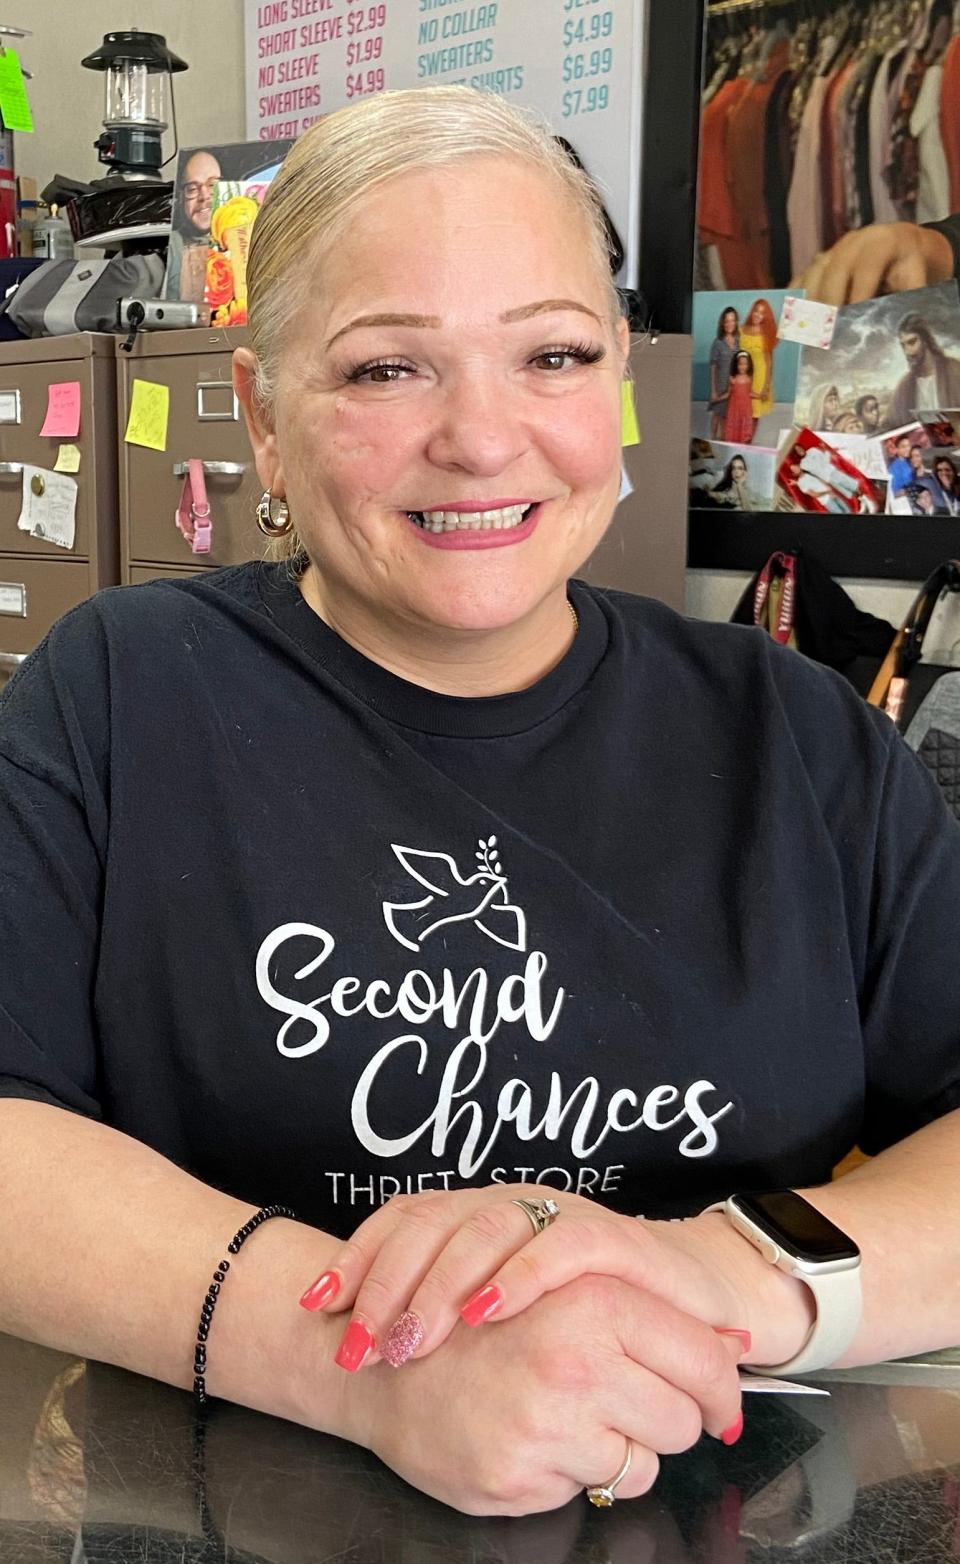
<point>645,547</point>
<point>38,580</point>
<point>205,424</point>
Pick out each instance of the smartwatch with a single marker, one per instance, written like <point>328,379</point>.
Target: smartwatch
<point>793,1235</point>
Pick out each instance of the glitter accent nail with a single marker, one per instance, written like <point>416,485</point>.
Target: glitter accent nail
<point>403,1339</point>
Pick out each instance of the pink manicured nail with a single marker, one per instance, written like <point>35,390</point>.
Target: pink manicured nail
<point>403,1339</point>
<point>355,1347</point>
<point>321,1292</point>
<point>732,1434</point>
<point>482,1306</point>
<point>744,1335</point>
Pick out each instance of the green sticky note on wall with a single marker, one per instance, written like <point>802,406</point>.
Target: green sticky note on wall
<point>629,430</point>
<point>14,104</point>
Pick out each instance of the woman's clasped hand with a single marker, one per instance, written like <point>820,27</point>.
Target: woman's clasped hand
<point>607,1333</point>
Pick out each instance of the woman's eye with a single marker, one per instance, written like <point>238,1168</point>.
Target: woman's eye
<point>379,374</point>
<point>555,359</point>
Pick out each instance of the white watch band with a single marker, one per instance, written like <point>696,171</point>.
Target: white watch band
<point>839,1301</point>
<point>838,1297</point>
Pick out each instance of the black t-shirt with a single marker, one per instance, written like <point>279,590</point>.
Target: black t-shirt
<point>678,919</point>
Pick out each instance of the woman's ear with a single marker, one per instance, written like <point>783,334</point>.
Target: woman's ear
<point>259,427</point>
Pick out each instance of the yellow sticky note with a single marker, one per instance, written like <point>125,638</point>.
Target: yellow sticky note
<point>629,431</point>
<point>68,459</point>
<point>149,412</point>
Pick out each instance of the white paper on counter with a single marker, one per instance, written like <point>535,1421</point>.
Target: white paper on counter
<point>778,1387</point>
<point>51,515</point>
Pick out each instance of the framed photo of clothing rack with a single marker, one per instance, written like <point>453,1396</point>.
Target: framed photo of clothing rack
<point>816,120</point>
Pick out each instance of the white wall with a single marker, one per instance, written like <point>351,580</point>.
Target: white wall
<point>67,101</point>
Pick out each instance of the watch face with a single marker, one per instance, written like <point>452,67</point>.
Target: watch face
<point>792,1221</point>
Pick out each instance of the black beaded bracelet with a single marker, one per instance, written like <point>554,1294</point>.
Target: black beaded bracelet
<point>213,1292</point>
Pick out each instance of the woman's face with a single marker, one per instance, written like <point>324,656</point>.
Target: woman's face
<point>731,321</point>
<point>832,404</point>
<point>758,316</point>
<point>498,390</point>
<point>916,460</point>
<point>945,474</point>
<point>738,469</point>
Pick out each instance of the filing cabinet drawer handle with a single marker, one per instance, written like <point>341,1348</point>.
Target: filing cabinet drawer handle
<point>215,469</point>
<point>12,660</point>
<point>231,415</point>
<point>10,410</point>
<point>11,467</point>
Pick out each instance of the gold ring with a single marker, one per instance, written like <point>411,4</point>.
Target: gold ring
<point>540,1212</point>
<point>605,1493</point>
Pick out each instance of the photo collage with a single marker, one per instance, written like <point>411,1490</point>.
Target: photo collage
<point>852,411</point>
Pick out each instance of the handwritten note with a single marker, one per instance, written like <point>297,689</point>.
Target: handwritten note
<point>63,410</point>
<point>68,459</point>
<point>14,103</point>
<point>48,508</point>
<point>629,430</point>
<point>149,413</point>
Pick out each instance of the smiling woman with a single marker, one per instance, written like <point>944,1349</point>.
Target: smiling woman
<point>405,530</point>
<point>408,865</point>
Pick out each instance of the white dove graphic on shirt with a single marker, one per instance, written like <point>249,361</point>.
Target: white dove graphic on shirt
<point>480,898</point>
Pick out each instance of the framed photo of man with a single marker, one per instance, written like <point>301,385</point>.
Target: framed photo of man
<point>199,170</point>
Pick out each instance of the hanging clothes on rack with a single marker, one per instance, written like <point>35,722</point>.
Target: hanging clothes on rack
<point>933,195</point>
<point>746,151</point>
<point>950,118</point>
<point>830,114</point>
<point>718,221</point>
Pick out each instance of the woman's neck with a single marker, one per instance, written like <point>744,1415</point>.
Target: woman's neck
<point>469,663</point>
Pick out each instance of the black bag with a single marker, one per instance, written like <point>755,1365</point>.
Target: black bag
<point>824,623</point>
<point>60,297</point>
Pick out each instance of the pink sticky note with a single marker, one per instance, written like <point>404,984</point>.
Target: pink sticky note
<point>63,410</point>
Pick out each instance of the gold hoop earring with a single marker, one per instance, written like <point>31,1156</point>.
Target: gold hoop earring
<point>273,526</point>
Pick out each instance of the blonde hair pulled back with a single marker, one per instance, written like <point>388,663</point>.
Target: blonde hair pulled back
<point>341,159</point>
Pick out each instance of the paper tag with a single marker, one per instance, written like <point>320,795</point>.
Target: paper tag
<point>629,430</point>
<point>149,412</point>
<point>778,1387</point>
<point>51,514</point>
<point>626,487</point>
<point>63,409</point>
<point>806,321</point>
<point>68,459</point>
<point>14,104</point>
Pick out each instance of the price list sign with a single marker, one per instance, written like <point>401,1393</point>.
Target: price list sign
<point>579,62</point>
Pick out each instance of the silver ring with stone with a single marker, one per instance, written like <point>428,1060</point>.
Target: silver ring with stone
<point>540,1212</point>
<point>604,1494</point>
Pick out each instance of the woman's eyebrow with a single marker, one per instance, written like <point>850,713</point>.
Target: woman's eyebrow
<point>523,312</point>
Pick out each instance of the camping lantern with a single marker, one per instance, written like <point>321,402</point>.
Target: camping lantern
<point>139,70</point>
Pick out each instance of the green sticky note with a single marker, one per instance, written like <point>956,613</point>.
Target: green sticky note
<point>14,104</point>
<point>629,430</point>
